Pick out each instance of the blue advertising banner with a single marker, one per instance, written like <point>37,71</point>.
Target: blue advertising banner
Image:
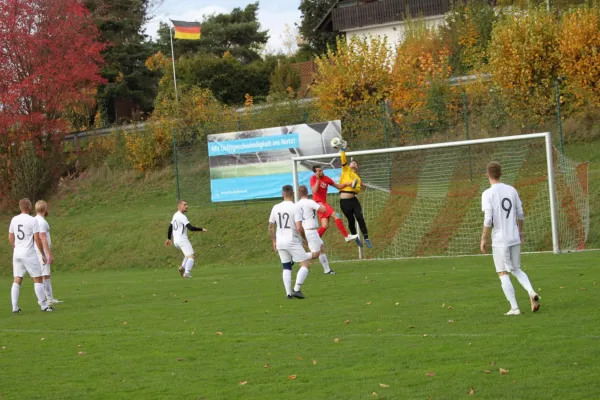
<point>255,164</point>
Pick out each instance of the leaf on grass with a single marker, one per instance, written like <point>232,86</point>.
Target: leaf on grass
<point>449,307</point>
<point>125,323</point>
<point>374,394</point>
<point>292,377</point>
<point>503,371</point>
<point>492,363</point>
<point>472,391</point>
<point>582,289</point>
<point>595,283</point>
<point>425,335</point>
<point>336,340</point>
<point>267,365</point>
<point>431,374</point>
<point>487,371</point>
<point>347,321</point>
<point>3,347</point>
<point>185,301</point>
<point>562,287</point>
<point>314,362</point>
<point>219,333</point>
<point>379,330</point>
<point>411,327</point>
<point>298,358</point>
<point>515,381</point>
<point>369,303</point>
<point>82,353</point>
<point>78,345</point>
<point>450,321</point>
<point>243,382</point>
<point>443,305</point>
<point>43,338</point>
<point>397,304</point>
<point>383,385</point>
<point>180,359</point>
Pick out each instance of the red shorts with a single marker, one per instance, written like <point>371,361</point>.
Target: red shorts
<point>329,210</point>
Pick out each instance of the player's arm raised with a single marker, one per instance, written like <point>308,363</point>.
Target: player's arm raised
<point>195,229</point>
<point>169,236</point>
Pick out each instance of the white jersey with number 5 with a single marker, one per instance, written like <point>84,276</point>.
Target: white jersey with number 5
<point>284,216</point>
<point>306,211</point>
<point>23,226</point>
<point>502,207</point>
<point>179,224</point>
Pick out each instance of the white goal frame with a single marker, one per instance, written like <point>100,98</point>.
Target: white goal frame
<point>549,164</point>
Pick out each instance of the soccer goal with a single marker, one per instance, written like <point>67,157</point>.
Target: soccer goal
<point>425,201</point>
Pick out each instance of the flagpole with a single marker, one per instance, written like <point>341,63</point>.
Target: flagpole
<point>173,59</point>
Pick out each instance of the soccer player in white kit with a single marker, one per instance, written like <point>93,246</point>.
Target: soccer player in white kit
<point>23,235</point>
<point>287,241</point>
<point>41,210</point>
<point>308,220</point>
<point>503,210</point>
<point>178,231</point>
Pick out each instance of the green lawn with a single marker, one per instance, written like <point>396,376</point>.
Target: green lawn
<point>148,334</point>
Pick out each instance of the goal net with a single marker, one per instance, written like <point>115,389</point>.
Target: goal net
<point>425,201</point>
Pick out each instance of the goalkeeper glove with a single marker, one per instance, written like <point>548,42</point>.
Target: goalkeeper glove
<point>343,145</point>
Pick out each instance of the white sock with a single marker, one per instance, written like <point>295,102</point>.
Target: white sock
<point>524,281</point>
<point>48,289</point>
<point>14,295</point>
<point>300,278</point>
<point>287,281</point>
<point>509,291</point>
<point>189,265</point>
<point>39,292</point>
<point>325,262</point>
<point>184,262</point>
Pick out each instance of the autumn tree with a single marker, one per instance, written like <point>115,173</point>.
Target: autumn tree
<point>524,60</point>
<point>580,54</point>
<point>420,96</point>
<point>49,59</point>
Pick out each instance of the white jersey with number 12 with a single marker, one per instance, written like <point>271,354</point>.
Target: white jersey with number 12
<point>284,216</point>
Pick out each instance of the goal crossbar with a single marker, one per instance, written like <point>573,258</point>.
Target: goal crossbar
<point>549,164</point>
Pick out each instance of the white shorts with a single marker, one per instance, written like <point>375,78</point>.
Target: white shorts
<point>45,267</point>
<point>507,259</point>
<point>314,240</point>
<point>185,246</point>
<point>292,252</point>
<point>30,265</point>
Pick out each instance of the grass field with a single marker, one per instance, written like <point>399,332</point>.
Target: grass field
<point>140,334</point>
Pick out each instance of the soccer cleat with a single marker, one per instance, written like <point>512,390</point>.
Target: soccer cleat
<point>54,301</point>
<point>181,271</point>
<point>535,302</point>
<point>514,312</point>
<point>331,272</point>
<point>48,309</point>
<point>368,243</point>
<point>358,242</point>
<point>187,276</point>
<point>350,238</point>
<point>289,297</point>
<point>18,310</point>
<point>297,294</point>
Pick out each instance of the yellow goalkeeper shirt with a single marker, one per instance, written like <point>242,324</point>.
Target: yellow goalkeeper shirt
<point>348,176</point>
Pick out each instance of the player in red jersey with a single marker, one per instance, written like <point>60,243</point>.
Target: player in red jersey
<point>319,184</point>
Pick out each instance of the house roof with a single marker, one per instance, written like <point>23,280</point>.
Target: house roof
<point>327,18</point>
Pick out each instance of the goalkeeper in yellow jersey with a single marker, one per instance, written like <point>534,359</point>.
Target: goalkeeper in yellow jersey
<point>348,197</point>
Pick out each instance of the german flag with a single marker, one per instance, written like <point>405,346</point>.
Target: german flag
<point>186,30</point>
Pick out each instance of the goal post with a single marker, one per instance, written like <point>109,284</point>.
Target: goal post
<point>423,201</point>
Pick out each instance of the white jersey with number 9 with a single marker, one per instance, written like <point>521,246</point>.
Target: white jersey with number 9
<point>502,207</point>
